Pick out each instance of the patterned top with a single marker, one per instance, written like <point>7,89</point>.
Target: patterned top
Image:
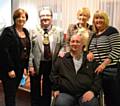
<point>106,45</point>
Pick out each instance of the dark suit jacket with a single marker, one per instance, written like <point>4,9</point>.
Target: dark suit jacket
<point>10,49</point>
<point>65,79</point>
<point>36,50</point>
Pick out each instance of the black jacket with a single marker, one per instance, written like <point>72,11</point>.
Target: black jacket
<point>10,49</point>
<point>65,79</point>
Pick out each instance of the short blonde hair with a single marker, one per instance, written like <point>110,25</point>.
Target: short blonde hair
<point>85,11</point>
<point>103,14</point>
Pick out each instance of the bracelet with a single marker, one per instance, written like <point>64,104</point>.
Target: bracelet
<point>103,64</point>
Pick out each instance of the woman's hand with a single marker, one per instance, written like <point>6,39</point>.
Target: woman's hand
<point>31,71</point>
<point>61,54</point>
<point>90,56</point>
<point>25,71</point>
<point>100,68</point>
<point>12,74</point>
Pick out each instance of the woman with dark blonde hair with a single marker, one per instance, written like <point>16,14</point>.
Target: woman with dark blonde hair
<point>105,45</point>
<point>15,48</point>
<point>83,15</point>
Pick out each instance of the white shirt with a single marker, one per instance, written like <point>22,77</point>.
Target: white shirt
<point>77,63</point>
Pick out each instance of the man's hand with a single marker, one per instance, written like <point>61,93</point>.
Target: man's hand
<point>56,93</point>
<point>61,54</point>
<point>87,96</point>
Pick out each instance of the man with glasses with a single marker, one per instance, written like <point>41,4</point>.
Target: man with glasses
<point>46,40</point>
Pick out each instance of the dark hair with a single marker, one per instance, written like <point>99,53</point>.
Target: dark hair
<point>18,12</point>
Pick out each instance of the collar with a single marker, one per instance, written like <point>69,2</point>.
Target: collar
<point>68,55</point>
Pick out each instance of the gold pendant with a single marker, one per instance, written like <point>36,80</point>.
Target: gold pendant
<point>46,40</point>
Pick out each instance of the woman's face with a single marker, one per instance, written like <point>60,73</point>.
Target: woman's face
<point>20,21</point>
<point>99,23</point>
<point>83,18</point>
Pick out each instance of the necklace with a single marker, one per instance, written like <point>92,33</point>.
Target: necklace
<point>21,33</point>
<point>46,39</point>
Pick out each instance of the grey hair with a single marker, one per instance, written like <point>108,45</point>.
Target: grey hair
<point>46,8</point>
<point>84,33</point>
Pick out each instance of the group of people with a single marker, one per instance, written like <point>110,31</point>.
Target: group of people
<point>74,77</point>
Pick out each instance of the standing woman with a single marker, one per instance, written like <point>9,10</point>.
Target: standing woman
<point>83,16</point>
<point>15,48</point>
<point>105,46</point>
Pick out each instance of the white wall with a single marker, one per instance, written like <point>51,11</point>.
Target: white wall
<point>5,12</point>
<point>65,10</point>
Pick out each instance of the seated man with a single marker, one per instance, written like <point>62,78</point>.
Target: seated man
<point>73,77</point>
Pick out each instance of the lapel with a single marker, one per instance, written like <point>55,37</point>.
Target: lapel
<point>84,60</point>
<point>40,42</point>
<point>56,44</point>
<point>68,62</point>
<point>53,34</point>
<point>16,37</point>
<point>15,34</point>
<point>39,33</point>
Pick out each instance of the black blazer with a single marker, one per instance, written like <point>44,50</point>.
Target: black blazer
<point>65,79</point>
<point>10,49</point>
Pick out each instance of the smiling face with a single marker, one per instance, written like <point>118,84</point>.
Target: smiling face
<point>83,16</point>
<point>45,18</point>
<point>100,21</point>
<point>20,21</point>
<point>20,17</point>
<point>76,44</point>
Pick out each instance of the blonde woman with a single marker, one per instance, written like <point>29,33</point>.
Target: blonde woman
<point>83,16</point>
<point>105,46</point>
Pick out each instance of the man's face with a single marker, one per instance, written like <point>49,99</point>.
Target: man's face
<point>45,18</point>
<point>76,44</point>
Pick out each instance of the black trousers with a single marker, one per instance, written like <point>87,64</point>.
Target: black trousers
<point>111,88</point>
<point>10,86</point>
<point>36,98</point>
